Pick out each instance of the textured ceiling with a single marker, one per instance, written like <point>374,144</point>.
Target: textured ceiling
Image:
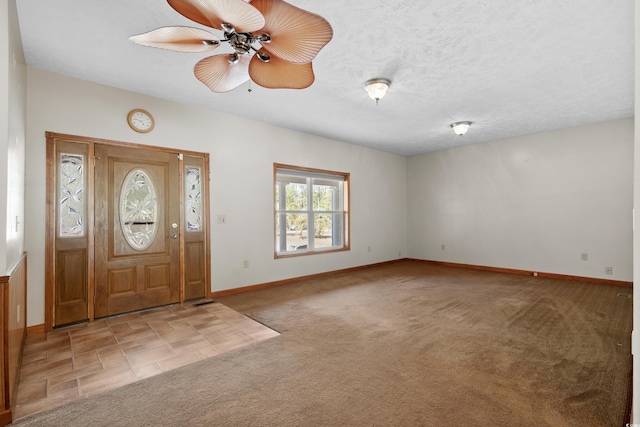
<point>511,67</point>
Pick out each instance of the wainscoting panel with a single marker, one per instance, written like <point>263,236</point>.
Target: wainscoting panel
<point>13,329</point>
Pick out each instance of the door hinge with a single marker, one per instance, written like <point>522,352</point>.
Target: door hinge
<point>180,156</point>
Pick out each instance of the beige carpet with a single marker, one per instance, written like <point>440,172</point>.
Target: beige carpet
<point>406,344</point>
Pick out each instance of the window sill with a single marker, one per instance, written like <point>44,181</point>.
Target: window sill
<point>305,253</point>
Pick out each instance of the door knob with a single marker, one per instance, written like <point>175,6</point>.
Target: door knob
<point>174,236</point>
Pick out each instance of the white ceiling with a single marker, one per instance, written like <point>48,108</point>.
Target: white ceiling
<point>511,67</point>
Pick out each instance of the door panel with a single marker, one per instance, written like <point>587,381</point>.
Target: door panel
<point>194,270</point>
<point>129,278</point>
<point>71,232</point>
<point>195,235</point>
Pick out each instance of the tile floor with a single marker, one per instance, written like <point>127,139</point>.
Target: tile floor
<point>83,360</point>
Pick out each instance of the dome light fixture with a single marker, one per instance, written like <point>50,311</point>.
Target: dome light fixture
<point>377,88</point>
<point>460,128</point>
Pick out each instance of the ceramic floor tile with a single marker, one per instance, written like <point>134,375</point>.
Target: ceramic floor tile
<point>49,402</point>
<point>94,345</point>
<point>40,346</point>
<point>190,344</point>
<point>83,338</point>
<point>207,352</point>
<point>113,382</point>
<point>62,387</point>
<point>42,369</point>
<point>74,374</point>
<point>106,379</point>
<point>179,361</point>
<point>142,346</point>
<point>35,357</point>
<point>135,334</point>
<point>117,347</point>
<point>86,359</point>
<point>32,391</point>
<point>49,359</point>
<point>179,334</point>
<point>147,371</point>
<point>161,327</point>
<point>83,360</point>
<point>151,355</point>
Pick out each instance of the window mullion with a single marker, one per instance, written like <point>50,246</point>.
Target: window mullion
<point>310,224</point>
<point>336,229</point>
<point>282,216</point>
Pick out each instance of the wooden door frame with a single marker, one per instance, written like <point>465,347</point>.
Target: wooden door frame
<point>50,224</point>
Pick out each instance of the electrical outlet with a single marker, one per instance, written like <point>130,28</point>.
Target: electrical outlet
<point>245,264</point>
<point>442,247</point>
<point>584,257</point>
<point>222,219</point>
<point>608,270</point>
<point>369,249</point>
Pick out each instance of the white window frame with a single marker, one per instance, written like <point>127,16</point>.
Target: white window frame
<point>341,210</point>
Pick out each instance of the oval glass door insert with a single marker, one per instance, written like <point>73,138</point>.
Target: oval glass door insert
<point>138,209</point>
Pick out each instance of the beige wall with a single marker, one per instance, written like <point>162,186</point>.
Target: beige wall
<point>242,157</point>
<point>536,202</point>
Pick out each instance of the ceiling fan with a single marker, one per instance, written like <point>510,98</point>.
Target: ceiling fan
<point>273,42</point>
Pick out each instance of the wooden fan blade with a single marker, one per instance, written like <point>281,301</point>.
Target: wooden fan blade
<point>213,13</point>
<point>296,35</point>
<point>280,74</point>
<point>181,39</point>
<point>219,75</point>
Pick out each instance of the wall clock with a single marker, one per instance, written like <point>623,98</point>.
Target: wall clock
<point>140,120</point>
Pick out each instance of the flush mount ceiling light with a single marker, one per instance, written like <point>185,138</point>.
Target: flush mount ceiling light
<point>460,128</point>
<point>377,88</point>
<point>272,42</point>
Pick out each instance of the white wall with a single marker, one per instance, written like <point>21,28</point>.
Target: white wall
<point>242,157</point>
<point>534,203</point>
<point>12,137</point>
<point>5,69</point>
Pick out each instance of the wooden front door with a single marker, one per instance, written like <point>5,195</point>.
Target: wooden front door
<point>127,228</point>
<point>137,217</point>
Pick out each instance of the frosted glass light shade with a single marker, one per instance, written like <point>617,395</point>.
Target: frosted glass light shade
<point>376,88</point>
<point>460,128</point>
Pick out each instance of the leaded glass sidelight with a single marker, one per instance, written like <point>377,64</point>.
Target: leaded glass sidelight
<point>71,195</point>
<point>138,209</point>
<point>193,199</point>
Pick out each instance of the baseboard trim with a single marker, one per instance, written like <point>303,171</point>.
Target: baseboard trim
<point>528,273</point>
<point>35,330</point>
<point>235,291</point>
<point>6,417</point>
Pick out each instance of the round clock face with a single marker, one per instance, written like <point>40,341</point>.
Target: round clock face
<point>140,120</point>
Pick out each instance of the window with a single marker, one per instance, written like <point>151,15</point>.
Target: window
<point>312,211</point>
